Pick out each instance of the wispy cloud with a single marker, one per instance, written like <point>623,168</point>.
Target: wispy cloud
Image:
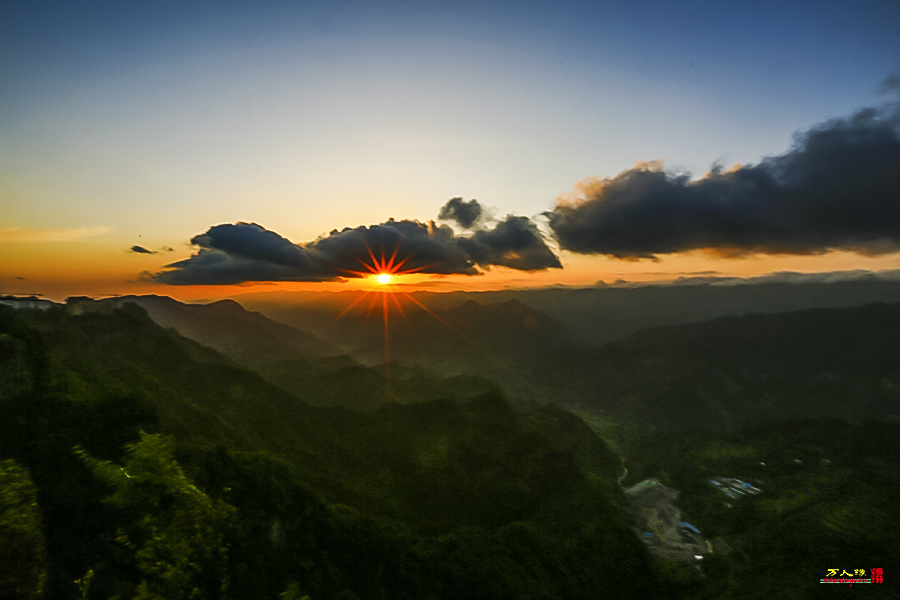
<point>777,277</point>
<point>50,235</point>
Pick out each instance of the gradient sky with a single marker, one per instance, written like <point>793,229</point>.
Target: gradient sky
<point>145,123</point>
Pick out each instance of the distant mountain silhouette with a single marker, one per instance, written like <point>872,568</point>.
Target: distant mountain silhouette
<point>730,371</point>
<point>300,362</point>
<point>247,337</point>
<point>604,313</point>
<point>725,372</point>
<point>472,337</point>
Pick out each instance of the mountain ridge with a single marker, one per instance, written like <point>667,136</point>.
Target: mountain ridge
<point>440,499</point>
<point>225,325</point>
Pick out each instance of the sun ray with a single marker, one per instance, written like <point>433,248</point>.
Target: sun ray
<point>399,307</point>
<point>417,269</point>
<point>371,306</point>
<point>387,347</point>
<point>367,266</point>
<point>374,267</point>
<point>463,336</point>
<point>390,265</point>
<point>381,269</point>
<point>433,314</point>
<point>406,258</point>
<point>349,308</point>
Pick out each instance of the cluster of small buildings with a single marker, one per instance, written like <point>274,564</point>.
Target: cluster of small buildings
<point>75,305</point>
<point>734,488</point>
<point>29,302</point>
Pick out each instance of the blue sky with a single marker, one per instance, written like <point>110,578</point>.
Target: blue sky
<point>161,119</point>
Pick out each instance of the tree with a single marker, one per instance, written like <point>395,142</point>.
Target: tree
<point>23,561</point>
<point>175,531</point>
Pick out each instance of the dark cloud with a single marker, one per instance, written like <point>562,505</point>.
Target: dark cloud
<point>425,247</point>
<point>838,188</point>
<point>141,250</point>
<point>514,243</point>
<point>245,252</point>
<point>465,214</point>
<point>891,84</point>
<point>168,249</point>
<point>253,243</point>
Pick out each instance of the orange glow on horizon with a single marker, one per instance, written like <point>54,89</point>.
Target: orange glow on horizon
<point>104,267</point>
<point>384,269</point>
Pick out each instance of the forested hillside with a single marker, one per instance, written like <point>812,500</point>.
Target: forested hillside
<point>825,494</point>
<point>137,463</point>
<point>311,369</point>
<point>736,371</point>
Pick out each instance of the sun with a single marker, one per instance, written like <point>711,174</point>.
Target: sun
<point>382,271</point>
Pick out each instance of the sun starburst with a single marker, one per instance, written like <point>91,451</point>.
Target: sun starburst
<point>384,271</point>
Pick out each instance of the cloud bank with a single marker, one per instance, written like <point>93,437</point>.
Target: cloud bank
<point>248,252</point>
<point>837,188</point>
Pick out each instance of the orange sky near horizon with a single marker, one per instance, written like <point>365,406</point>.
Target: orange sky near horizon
<point>94,266</point>
<point>144,125</point>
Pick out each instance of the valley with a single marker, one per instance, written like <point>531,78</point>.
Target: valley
<point>496,455</point>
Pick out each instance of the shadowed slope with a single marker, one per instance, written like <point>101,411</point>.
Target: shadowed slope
<point>438,499</point>
<point>248,337</point>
